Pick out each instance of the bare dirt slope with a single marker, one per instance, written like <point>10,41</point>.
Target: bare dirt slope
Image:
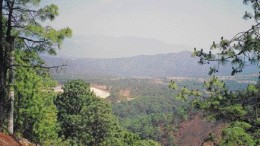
<point>193,132</point>
<point>6,140</point>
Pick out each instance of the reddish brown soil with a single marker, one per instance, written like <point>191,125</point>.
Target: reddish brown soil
<point>125,93</point>
<point>6,140</point>
<point>193,132</point>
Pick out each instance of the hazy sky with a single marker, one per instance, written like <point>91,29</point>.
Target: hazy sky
<point>188,22</point>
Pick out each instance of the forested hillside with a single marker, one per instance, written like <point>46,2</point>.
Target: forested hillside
<point>146,106</point>
<point>164,65</point>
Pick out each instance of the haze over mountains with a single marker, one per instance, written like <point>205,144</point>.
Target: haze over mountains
<point>160,65</point>
<point>120,57</point>
<point>93,46</point>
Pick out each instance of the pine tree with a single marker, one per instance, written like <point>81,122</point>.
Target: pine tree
<point>21,28</point>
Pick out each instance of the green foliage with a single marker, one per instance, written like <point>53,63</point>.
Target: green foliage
<point>88,120</point>
<point>124,138</point>
<point>84,119</point>
<point>154,126</point>
<point>242,50</point>
<point>220,103</point>
<point>151,117</point>
<point>22,31</point>
<point>173,85</point>
<point>36,114</point>
<point>236,134</point>
<point>238,108</point>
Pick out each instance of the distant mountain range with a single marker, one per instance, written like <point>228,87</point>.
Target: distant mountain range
<point>161,65</point>
<point>93,46</point>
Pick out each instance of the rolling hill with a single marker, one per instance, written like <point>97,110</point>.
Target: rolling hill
<point>161,65</point>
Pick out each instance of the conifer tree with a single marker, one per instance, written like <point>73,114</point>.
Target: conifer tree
<point>21,28</point>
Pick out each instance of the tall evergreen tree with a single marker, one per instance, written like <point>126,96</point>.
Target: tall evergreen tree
<point>21,28</point>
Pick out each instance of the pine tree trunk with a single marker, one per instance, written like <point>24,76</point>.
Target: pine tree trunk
<point>11,88</point>
<point>11,112</point>
<point>2,87</point>
<point>10,62</point>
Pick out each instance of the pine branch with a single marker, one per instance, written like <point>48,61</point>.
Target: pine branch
<point>39,66</point>
<point>31,40</point>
